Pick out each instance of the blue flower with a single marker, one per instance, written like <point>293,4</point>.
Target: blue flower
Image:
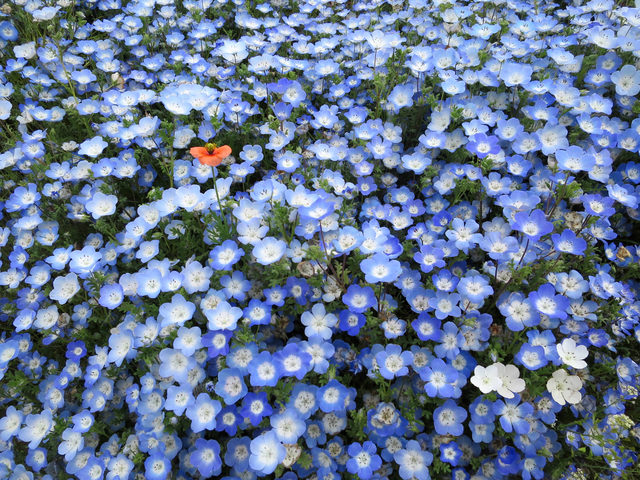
<point>318,322</point>
<point>237,453</point>
<point>255,407</point>
<point>513,414</point>
<point>568,242</point>
<point>393,362</point>
<point>450,453</point>
<point>448,419</point>
<point>332,396</point>
<point>224,256</point>
<point>203,413</point>
<point>364,460</point>
<point>380,269</point>
<point>439,379</point>
<point>230,385</point>
<point>287,426</point>
<point>266,453</point>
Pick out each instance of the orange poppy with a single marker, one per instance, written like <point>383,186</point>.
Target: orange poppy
<point>211,154</point>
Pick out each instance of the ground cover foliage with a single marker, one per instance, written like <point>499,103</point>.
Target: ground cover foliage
<point>319,239</point>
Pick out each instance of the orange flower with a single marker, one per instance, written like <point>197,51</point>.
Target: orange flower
<point>211,154</point>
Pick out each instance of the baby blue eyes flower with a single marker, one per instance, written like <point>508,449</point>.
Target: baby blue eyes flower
<point>413,461</point>
<point>255,407</point>
<point>379,269</point>
<point>393,362</point>
<point>206,457</point>
<point>36,428</point>
<point>266,453</point>
<point>157,467</point>
<point>292,361</point>
<point>230,385</point>
<point>203,413</point>
<point>448,419</point>
<point>332,396</point>
<point>179,399</point>
<point>287,426</point>
<point>440,379</point>
<point>223,257</point>
<point>364,460</point>
<point>318,322</point>
<point>264,370</point>
<point>177,312</point>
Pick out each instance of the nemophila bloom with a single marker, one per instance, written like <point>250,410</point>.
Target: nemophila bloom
<point>237,453</point>
<point>510,382</point>
<point>359,299</point>
<point>448,419</point>
<point>264,370</point>
<point>627,81</point>
<point>320,350</point>
<point>177,312</point>
<point>111,296</point>
<point>379,268</point>
<point>10,424</point>
<point>223,316</point>
<point>203,413</point>
<point>36,428</point>
<point>574,159</point>
<point>269,250</point>
<point>224,256</point>
<point>157,467</point>
<point>427,327</point>
<point>101,205</point>
<point>450,453</point>
<point>439,379</point>
<point>121,347</point>
<point>257,312</point>
<point>287,426</point>
<point>206,457</point>
<point>188,340</point>
<point>393,362</point>
<point>93,147</point>
<point>364,460</point>
<point>548,303</point>
<point>255,407</point>
<point>266,453</point>
<point>513,414</point>
<point>318,322</point>
<point>519,311</point>
<point>292,361</point>
<point>568,242</point>
<point>64,288</point>
<point>482,145</point>
<point>230,385</point>
<point>179,399</point>
<point>534,224</point>
<point>413,461</point>
<point>532,357</point>
<point>235,285</point>
<point>429,257</point>
<point>445,305</point>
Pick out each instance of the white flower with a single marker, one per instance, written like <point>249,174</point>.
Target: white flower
<point>510,382</point>
<point>565,388</point>
<point>572,354</point>
<point>486,379</point>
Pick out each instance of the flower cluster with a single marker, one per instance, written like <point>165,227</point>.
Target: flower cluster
<point>354,239</point>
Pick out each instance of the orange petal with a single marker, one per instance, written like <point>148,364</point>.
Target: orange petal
<point>198,151</point>
<point>222,152</point>
<point>211,160</point>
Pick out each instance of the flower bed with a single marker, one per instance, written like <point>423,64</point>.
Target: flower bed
<point>319,240</point>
